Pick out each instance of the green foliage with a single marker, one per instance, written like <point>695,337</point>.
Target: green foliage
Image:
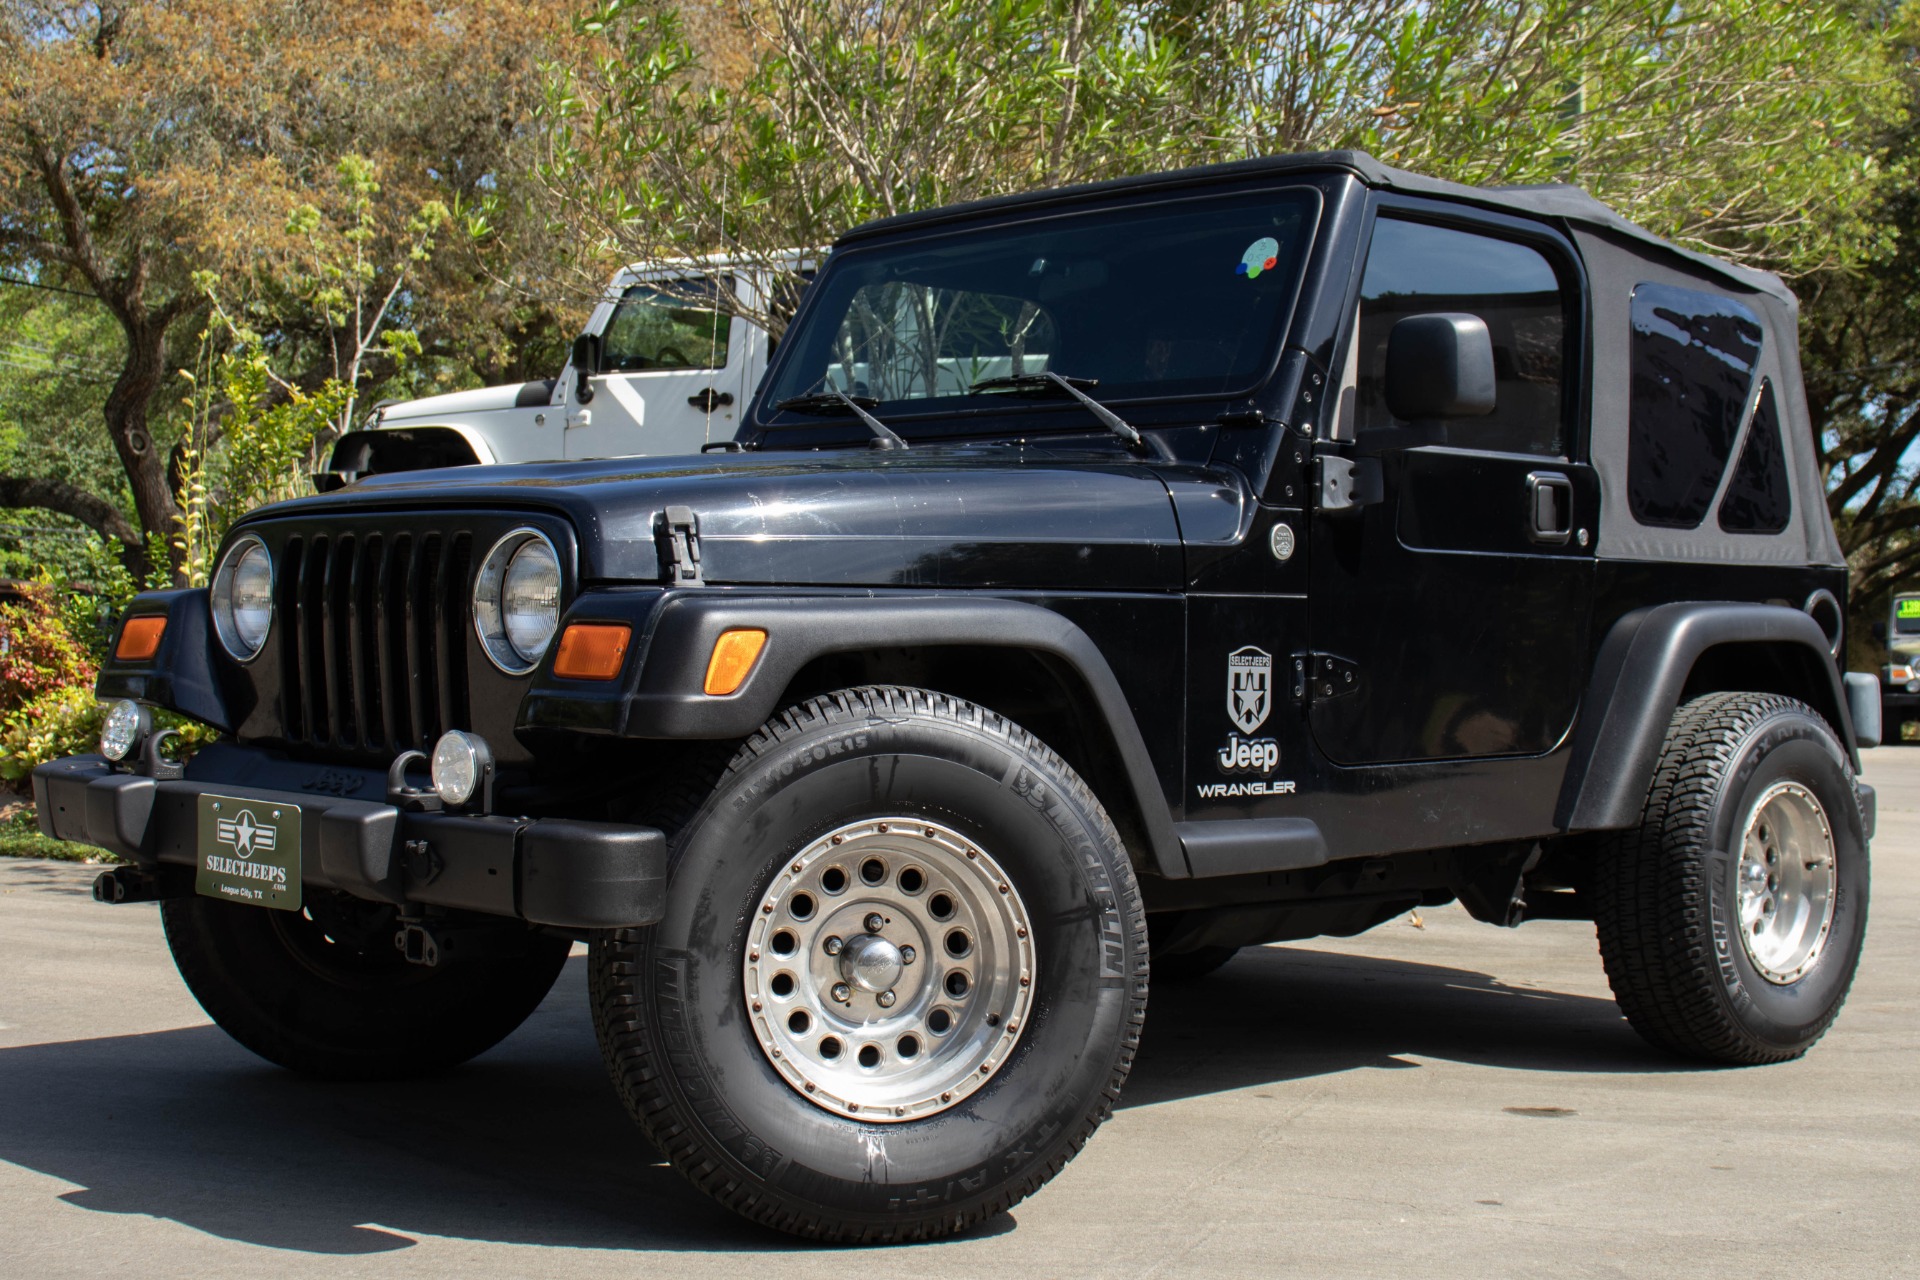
<point>1730,125</point>
<point>248,439</point>
<point>60,722</point>
<point>20,838</point>
<point>57,357</point>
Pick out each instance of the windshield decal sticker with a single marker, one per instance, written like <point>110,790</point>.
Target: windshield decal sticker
<point>1260,256</point>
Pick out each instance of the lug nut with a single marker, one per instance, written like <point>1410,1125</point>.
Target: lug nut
<point>834,945</point>
<point>875,922</point>
<point>842,992</point>
<point>886,999</point>
<point>907,955</point>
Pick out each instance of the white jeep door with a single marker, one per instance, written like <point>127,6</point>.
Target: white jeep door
<point>671,373</point>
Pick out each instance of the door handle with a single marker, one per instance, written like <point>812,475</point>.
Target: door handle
<point>1549,507</point>
<point>709,400</point>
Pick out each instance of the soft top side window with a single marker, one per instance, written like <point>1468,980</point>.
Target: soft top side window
<point>1417,267</point>
<point>1759,500</point>
<point>1694,357</point>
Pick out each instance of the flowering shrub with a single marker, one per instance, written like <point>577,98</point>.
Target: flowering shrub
<point>60,722</point>
<point>39,653</point>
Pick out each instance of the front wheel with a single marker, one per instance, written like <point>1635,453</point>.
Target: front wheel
<point>900,976</point>
<point>1731,919</point>
<point>322,990</point>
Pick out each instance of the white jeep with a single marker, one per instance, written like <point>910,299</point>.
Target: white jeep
<point>662,367</point>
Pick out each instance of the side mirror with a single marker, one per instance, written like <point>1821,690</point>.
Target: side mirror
<point>1880,632</point>
<point>586,363</point>
<point>1439,366</point>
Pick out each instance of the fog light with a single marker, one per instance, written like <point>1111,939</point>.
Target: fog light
<point>127,722</point>
<point>462,767</point>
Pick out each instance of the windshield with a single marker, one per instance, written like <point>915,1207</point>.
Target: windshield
<point>1906,615</point>
<point>1182,298</point>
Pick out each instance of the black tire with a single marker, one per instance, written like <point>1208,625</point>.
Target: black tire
<point>323,991</point>
<point>1191,966</point>
<point>669,1002</point>
<point>1666,896</point>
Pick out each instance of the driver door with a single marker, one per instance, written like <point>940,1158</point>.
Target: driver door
<point>1452,609</point>
<point>671,373</point>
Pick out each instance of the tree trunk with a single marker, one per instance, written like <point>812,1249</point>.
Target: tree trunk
<point>127,410</point>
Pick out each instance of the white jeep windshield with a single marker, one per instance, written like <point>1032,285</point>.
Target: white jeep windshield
<point>1181,298</point>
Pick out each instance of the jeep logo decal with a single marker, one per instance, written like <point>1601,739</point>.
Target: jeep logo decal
<point>1249,687</point>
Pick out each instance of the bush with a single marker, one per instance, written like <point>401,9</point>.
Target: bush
<point>60,722</point>
<point>39,652</point>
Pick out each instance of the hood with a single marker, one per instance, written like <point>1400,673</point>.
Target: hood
<point>481,399</point>
<point>1004,517</point>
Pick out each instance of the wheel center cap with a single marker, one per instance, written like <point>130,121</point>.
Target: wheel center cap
<point>871,963</point>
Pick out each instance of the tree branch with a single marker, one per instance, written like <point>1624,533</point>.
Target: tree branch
<point>90,509</point>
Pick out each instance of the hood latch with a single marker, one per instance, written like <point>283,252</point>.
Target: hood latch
<point>677,533</point>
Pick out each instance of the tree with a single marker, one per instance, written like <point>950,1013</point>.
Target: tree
<point>1729,126</point>
<point>142,143</point>
<point>1860,335</point>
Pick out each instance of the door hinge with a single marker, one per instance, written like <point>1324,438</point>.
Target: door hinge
<point>1322,677</point>
<point>676,531</point>
<point>1344,484</point>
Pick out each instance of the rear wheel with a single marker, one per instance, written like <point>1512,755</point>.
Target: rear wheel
<point>1731,920</point>
<point>899,979</point>
<point>324,990</point>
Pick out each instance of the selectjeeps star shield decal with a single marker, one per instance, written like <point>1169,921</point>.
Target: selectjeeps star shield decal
<point>1249,687</point>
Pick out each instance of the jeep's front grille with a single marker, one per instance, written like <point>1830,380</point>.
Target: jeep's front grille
<point>373,638</point>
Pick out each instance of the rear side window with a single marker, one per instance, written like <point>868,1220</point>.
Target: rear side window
<point>1758,499</point>
<point>1416,267</point>
<point>1694,356</point>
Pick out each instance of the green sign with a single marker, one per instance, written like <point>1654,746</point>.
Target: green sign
<point>1908,608</point>
<point>249,852</point>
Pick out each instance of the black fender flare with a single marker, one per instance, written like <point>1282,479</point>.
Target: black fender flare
<point>1638,679</point>
<point>662,694</point>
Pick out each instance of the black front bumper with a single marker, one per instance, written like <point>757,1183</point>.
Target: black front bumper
<point>549,871</point>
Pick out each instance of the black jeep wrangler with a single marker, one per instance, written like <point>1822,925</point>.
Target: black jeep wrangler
<point>1153,568</point>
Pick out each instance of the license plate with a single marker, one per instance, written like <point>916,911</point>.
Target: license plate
<point>249,852</point>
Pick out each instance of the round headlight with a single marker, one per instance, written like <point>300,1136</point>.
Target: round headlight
<point>516,600</point>
<point>242,597</point>
<point>125,725</point>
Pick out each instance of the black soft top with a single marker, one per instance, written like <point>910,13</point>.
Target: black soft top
<point>1546,200</point>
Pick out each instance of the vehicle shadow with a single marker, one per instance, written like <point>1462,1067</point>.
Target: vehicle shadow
<point>528,1144</point>
<point>1274,1014</point>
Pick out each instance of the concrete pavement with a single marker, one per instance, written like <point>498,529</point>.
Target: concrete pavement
<point>1446,1100</point>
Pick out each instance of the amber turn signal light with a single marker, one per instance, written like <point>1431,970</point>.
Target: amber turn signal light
<point>592,650</point>
<point>734,654</point>
<point>140,638</point>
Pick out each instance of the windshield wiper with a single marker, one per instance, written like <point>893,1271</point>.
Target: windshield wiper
<point>1051,381</point>
<point>832,401</point>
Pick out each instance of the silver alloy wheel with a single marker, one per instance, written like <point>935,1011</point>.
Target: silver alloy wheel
<point>1786,882</point>
<point>889,969</point>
